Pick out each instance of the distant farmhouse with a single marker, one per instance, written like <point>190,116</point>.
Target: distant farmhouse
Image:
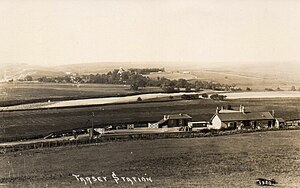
<point>238,119</point>
<point>176,120</point>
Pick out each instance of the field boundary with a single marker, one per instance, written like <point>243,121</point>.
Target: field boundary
<point>128,137</point>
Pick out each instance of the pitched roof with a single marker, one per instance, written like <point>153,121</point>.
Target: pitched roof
<point>245,116</point>
<point>162,121</point>
<point>280,119</point>
<point>174,116</point>
<point>178,116</point>
<point>228,111</point>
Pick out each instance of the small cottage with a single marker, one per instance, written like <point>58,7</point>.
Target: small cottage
<point>176,120</point>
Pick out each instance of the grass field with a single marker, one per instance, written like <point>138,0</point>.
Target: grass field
<point>20,91</point>
<point>243,79</point>
<point>227,161</point>
<point>19,124</point>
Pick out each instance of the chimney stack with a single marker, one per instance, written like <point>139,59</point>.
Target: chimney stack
<point>217,110</point>
<point>273,113</point>
<point>242,108</point>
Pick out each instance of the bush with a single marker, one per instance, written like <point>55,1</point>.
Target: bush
<point>218,97</point>
<point>170,89</point>
<point>269,89</point>
<point>190,97</point>
<point>204,95</point>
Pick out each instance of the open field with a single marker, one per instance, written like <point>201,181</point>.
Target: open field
<point>41,92</point>
<point>97,101</point>
<point>257,82</point>
<point>18,124</point>
<point>264,94</point>
<point>227,161</point>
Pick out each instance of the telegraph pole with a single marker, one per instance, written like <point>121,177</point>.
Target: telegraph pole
<point>93,120</point>
<point>92,129</point>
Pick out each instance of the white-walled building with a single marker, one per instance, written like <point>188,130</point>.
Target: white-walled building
<point>230,119</point>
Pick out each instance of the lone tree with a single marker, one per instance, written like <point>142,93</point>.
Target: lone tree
<point>134,86</point>
<point>137,81</point>
<point>204,95</point>
<point>293,88</point>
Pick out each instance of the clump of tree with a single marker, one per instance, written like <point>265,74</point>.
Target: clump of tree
<point>62,79</point>
<point>190,97</point>
<point>169,89</point>
<point>146,70</point>
<point>204,95</point>
<point>248,89</point>
<point>28,78</point>
<point>269,89</point>
<point>236,89</point>
<point>218,97</point>
<point>293,88</point>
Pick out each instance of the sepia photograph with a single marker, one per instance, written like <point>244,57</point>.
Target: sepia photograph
<point>149,93</point>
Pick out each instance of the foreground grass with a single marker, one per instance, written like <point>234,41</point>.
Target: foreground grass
<point>229,161</point>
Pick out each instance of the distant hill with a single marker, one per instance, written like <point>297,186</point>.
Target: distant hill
<point>254,75</point>
<point>21,70</point>
<point>103,67</point>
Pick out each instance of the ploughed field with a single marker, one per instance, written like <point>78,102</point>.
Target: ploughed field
<point>226,161</point>
<point>31,123</point>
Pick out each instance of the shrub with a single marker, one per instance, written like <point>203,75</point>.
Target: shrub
<point>218,97</point>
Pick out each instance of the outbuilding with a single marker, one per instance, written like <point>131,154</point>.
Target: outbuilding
<point>279,123</point>
<point>175,120</point>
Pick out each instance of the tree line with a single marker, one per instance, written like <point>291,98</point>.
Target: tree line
<point>137,80</point>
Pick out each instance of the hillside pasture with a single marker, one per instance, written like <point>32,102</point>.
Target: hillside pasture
<point>257,82</point>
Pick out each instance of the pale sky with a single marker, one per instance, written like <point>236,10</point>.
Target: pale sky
<point>53,32</point>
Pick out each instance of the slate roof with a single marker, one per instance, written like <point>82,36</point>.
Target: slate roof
<point>179,116</point>
<point>250,116</point>
<point>174,116</point>
<point>228,111</point>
